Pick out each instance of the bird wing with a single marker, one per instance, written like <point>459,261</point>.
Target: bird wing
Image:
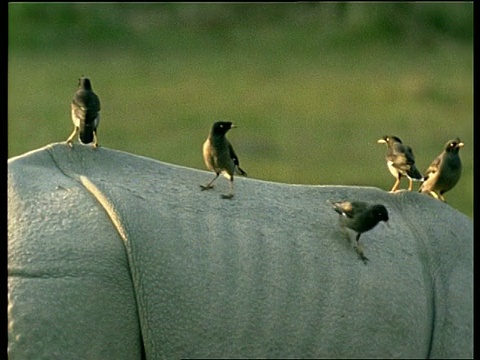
<point>411,168</point>
<point>409,155</point>
<point>401,156</point>
<point>349,209</point>
<point>434,167</point>
<point>86,100</point>
<point>358,207</point>
<point>235,159</point>
<point>233,155</point>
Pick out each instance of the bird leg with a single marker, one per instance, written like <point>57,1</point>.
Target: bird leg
<point>397,183</point>
<point>95,139</point>
<point>437,196</point>
<point>344,231</point>
<point>360,251</point>
<point>70,138</point>
<point>362,256</point>
<point>230,194</point>
<point>209,185</point>
<point>358,248</point>
<point>410,184</point>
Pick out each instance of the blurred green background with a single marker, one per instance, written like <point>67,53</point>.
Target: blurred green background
<point>311,86</point>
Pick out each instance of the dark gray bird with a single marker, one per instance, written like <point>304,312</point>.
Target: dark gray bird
<point>360,217</point>
<point>85,109</point>
<point>219,155</point>
<point>444,171</point>
<point>400,161</point>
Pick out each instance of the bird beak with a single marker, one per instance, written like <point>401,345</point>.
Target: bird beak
<point>233,126</point>
<point>387,224</point>
<point>381,141</point>
<point>460,144</point>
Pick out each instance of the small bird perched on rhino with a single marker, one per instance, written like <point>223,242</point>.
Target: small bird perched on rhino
<point>400,161</point>
<point>220,157</point>
<point>360,217</point>
<point>444,171</point>
<point>85,114</point>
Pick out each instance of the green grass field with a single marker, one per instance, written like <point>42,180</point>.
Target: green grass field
<point>311,87</point>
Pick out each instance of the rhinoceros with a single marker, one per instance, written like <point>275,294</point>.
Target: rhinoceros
<point>113,255</point>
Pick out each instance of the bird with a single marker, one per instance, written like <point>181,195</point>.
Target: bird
<point>85,108</point>
<point>220,157</point>
<point>400,161</point>
<point>444,171</point>
<point>360,217</point>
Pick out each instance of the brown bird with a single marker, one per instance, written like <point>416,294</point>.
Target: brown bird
<point>360,217</point>
<point>444,171</point>
<point>400,161</point>
<point>220,157</point>
<point>85,108</point>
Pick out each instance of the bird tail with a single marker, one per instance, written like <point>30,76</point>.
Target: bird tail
<point>240,171</point>
<point>421,189</point>
<point>86,133</point>
<point>414,174</point>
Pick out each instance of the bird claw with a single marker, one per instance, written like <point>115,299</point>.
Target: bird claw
<point>69,143</point>
<point>228,196</point>
<point>363,258</point>
<point>206,187</point>
<point>434,195</point>
<point>361,255</point>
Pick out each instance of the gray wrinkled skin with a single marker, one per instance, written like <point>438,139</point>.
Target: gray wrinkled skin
<point>117,256</point>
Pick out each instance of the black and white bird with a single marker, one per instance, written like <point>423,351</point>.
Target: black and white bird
<point>220,157</point>
<point>444,171</point>
<point>400,161</point>
<point>360,217</point>
<point>85,108</point>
